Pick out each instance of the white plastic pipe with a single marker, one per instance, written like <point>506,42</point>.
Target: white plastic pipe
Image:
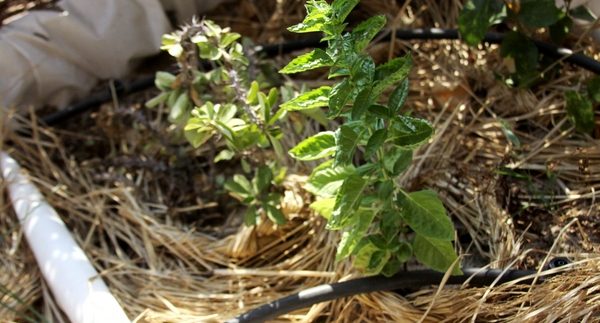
<point>74,282</point>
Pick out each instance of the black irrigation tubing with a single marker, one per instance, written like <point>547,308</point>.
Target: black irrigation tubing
<point>476,277</point>
<point>122,88</point>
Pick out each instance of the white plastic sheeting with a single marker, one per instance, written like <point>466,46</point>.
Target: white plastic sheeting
<point>75,284</point>
<point>53,57</point>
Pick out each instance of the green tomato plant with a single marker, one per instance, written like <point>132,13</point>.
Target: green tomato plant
<point>226,107</point>
<point>382,224</point>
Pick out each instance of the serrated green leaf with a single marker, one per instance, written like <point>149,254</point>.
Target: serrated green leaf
<point>309,61</point>
<point>476,18</point>
<point>366,31</point>
<point>310,100</point>
<point>274,214</point>
<point>362,72</point>
<point>425,214</point>
<point>391,72</point>
<point>346,140</point>
<point>347,201</point>
<point>341,8</point>
<point>324,207</point>
<point>397,160</point>
<point>538,13</point>
<point>317,14</point>
<point>581,111</point>
<point>361,103</point>
<point>318,146</point>
<point>363,255</point>
<point>326,182</point>
<point>341,93</point>
<point>436,254</point>
<point>398,97</point>
<point>410,132</point>
<point>390,225</point>
<point>380,111</point>
<point>351,238</point>
<point>375,141</point>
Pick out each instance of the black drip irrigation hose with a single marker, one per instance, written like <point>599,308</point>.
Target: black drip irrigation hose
<point>475,277</point>
<point>122,88</point>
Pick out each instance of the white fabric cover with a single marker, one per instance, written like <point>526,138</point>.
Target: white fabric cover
<point>53,57</point>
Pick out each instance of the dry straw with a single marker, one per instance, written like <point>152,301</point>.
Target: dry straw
<point>512,202</point>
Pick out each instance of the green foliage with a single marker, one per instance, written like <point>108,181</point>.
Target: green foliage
<point>225,107</point>
<point>524,18</point>
<point>257,196</point>
<point>580,111</point>
<point>538,13</point>
<point>476,18</point>
<point>356,186</point>
<point>523,54</point>
<point>524,61</point>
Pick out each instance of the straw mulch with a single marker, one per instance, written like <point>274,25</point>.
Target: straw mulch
<point>171,251</point>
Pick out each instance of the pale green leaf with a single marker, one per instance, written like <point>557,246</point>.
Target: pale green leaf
<point>375,141</point>
<point>318,146</point>
<point>436,254</point>
<point>224,154</point>
<point>391,73</point>
<point>274,214</point>
<point>364,32</point>
<point>357,231</point>
<point>346,140</point>
<point>347,201</point>
<point>340,94</point>
<point>309,61</point>
<point>325,182</point>
<point>309,100</point>
<point>425,214</point>
<point>410,132</point>
<point>324,207</point>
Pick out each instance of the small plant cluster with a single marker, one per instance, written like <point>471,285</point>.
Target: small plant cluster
<point>224,107</point>
<point>356,186</point>
<point>382,224</point>
<point>526,18</point>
